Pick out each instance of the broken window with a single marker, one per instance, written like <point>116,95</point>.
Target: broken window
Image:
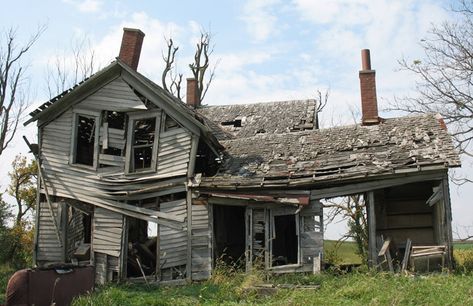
<point>170,124</point>
<point>142,141</point>
<point>113,124</point>
<point>85,139</point>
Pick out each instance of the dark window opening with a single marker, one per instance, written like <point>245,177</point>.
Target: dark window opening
<point>229,231</point>
<point>115,120</point>
<point>286,241</point>
<point>170,124</point>
<point>143,141</point>
<point>85,141</point>
<point>206,162</point>
<point>235,123</point>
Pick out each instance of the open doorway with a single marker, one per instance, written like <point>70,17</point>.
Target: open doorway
<point>229,234</point>
<point>285,242</point>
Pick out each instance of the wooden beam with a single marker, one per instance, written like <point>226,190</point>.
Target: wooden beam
<point>448,221</point>
<point>372,254</point>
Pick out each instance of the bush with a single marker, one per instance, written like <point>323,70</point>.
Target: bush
<point>463,260</point>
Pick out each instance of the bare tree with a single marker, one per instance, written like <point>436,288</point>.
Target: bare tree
<point>201,63</point>
<point>321,100</point>
<point>169,70</point>
<point>73,66</point>
<point>201,69</point>
<point>14,98</point>
<point>445,75</point>
<point>353,209</point>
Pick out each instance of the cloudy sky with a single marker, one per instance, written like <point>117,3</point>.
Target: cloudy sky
<point>266,50</point>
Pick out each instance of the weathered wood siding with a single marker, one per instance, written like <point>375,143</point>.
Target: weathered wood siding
<point>106,268</point>
<point>49,248</point>
<point>116,96</point>
<point>107,232</point>
<point>311,233</point>
<point>402,213</point>
<point>173,242</point>
<point>173,152</point>
<point>201,242</point>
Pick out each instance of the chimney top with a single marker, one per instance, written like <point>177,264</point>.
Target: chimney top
<point>369,103</point>
<point>192,96</point>
<point>365,59</point>
<point>130,49</point>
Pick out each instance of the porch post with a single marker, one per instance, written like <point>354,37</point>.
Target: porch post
<point>448,220</point>
<point>372,254</point>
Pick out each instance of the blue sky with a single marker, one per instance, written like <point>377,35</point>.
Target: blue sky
<point>267,50</point>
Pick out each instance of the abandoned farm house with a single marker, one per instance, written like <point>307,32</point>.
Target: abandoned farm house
<point>138,183</point>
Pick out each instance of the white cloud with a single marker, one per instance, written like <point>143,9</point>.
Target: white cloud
<point>260,20</point>
<point>86,6</point>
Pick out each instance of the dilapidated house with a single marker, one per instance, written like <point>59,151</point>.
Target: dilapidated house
<point>140,184</point>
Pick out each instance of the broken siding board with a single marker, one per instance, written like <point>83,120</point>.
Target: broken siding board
<point>174,151</point>
<point>173,242</point>
<point>104,241</point>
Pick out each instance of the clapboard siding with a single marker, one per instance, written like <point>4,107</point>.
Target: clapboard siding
<point>49,247</point>
<point>107,234</point>
<point>201,243</point>
<point>116,96</point>
<point>173,242</point>
<point>173,151</point>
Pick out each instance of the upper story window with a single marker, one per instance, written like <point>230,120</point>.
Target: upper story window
<point>143,129</point>
<point>85,138</point>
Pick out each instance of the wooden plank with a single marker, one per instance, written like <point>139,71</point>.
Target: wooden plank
<point>371,229</point>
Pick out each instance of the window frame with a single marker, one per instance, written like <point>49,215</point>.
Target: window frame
<point>73,149</point>
<point>132,117</point>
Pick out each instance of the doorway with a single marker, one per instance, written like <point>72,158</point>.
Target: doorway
<point>229,234</point>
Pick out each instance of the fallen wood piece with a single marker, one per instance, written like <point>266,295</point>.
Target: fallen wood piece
<point>406,255</point>
<point>428,254</point>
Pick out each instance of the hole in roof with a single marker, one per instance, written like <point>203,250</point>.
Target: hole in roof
<point>235,123</point>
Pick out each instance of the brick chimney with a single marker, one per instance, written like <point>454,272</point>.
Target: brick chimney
<point>131,47</point>
<point>192,96</point>
<point>369,104</point>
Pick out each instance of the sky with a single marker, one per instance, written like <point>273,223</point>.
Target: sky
<point>266,50</point>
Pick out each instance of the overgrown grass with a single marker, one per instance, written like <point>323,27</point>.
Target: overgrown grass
<point>358,288</point>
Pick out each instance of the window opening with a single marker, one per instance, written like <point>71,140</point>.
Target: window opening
<point>85,140</point>
<point>143,141</point>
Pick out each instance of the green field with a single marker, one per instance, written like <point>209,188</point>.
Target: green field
<point>343,253</point>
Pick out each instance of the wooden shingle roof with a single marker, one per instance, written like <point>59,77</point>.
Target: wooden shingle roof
<point>398,145</point>
<point>246,120</point>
